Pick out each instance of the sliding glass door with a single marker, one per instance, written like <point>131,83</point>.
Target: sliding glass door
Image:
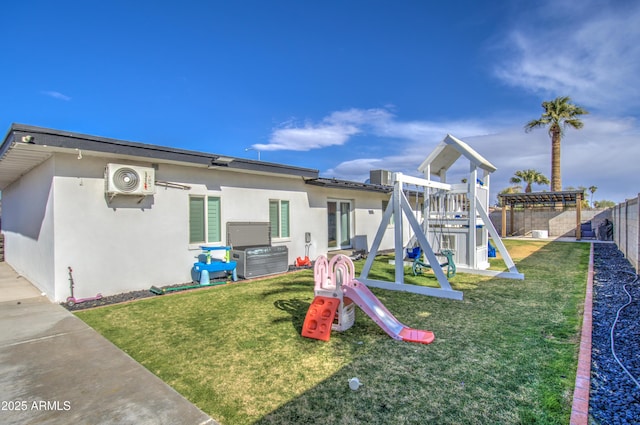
<point>339,224</point>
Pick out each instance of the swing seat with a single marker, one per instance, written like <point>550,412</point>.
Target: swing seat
<point>419,265</point>
<point>413,253</point>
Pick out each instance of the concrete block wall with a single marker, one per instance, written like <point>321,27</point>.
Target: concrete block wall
<point>557,223</point>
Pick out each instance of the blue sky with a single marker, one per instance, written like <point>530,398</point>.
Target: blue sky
<point>339,86</point>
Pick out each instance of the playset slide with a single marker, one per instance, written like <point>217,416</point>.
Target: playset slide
<point>370,304</point>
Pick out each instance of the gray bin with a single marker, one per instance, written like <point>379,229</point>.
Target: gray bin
<point>252,250</point>
<point>261,261</point>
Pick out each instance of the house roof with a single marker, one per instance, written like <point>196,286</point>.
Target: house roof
<point>25,147</point>
<point>368,187</point>
<point>347,184</point>
<point>448,152</point>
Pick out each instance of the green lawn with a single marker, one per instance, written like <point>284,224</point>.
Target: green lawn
<point>507,354</point>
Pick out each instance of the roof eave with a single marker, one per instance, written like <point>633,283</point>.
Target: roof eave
<point>62,140</point>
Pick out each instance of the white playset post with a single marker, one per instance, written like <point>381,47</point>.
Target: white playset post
<point>399,205</point>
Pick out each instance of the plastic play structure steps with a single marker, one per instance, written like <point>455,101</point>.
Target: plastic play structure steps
<point>317,323</point>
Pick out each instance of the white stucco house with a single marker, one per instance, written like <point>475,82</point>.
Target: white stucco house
<point>60,209</point>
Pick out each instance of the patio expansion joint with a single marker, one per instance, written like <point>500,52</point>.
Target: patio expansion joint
<point>43,338</point>
<point>580,407</point>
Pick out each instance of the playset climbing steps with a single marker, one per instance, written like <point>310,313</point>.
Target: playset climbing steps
<point>320,316</point>
<point>337,292</point>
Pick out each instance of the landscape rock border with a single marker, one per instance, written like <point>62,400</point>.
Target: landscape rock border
<point>614,398</point>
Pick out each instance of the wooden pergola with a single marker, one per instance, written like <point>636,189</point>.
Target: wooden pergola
<point>550,199</point>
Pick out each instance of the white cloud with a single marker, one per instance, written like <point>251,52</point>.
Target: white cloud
<point>357,169</point>
<point>334,130</point>
<point>604,153</point>
<point>591,55</point>
<point>421,131</point>
<point>338,127</point>
<point>308,137</point>
<point>374,117</point>
<point>56,95</point>
<point>587,50</point>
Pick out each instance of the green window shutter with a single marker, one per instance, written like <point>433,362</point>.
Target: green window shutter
<point>274,219</point>
<point>213,220</point>
<point>196,220</point>
<point>284,219</point>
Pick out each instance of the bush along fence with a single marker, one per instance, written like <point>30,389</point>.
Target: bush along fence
<point>626,232</point>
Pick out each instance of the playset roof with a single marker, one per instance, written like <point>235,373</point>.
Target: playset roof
<point>448,152</point>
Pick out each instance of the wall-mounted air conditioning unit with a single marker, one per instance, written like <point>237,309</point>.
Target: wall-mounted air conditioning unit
<point>129,180</point>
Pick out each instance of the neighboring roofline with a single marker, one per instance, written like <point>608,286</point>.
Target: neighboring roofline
<point>88,143</point>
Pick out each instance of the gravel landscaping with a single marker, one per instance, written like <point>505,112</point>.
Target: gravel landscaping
<point>145,293</point>
<point>615,388</point>
<point>112,299</point>
<point>125,297</point>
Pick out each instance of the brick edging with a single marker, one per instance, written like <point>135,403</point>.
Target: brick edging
<point>580,408</point>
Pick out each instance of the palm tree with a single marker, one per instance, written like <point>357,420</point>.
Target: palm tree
<point>558,114</point>
<point>592,189</point>
<point>529,177</point>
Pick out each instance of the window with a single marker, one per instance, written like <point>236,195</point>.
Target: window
<point>279,218</point>
<point>339,223</point>
<point>204,219</point>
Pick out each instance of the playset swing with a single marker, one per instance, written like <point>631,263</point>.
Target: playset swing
<point>418,265</point>
<point>441,200</point>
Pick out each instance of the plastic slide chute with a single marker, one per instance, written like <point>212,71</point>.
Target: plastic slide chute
<point>371,305</point>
